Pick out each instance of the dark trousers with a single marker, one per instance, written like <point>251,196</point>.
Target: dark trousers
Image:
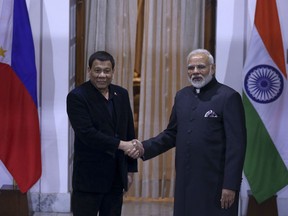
<point>90,204</point>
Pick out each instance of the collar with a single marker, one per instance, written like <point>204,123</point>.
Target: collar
<point>208,86</point>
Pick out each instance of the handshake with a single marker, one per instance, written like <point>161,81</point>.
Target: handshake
<point>133,148</point>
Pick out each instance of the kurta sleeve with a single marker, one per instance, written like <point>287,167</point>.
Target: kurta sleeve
<point>162,142</point>
<point>235,131</point>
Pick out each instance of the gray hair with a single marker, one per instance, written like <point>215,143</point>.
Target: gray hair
<point>201,51</point>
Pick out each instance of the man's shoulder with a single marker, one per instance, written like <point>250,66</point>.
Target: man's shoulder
<point>116,89</point>
<point>226,89</point>
<point>81,88</point>
<point>185,90</point>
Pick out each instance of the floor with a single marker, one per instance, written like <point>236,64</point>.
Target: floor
<point>134,208</point>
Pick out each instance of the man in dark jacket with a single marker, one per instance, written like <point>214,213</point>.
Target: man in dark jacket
<point>101,117</point>
<point>207,127</point>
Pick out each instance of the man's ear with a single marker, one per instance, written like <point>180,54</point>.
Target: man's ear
<point>113,72</point>
<point>88,71</point>
<point>213,69</point>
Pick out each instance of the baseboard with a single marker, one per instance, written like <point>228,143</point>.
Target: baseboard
<point>49,202</point>
<point>281,206</point>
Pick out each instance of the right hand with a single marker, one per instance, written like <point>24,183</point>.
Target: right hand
<point>138,151</point>
<point>133,148</point>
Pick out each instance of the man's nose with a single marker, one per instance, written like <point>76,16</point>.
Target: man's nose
<point>195,70</point>
<point>102,74</point>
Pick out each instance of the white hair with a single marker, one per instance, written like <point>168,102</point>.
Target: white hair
<point>201,51</point>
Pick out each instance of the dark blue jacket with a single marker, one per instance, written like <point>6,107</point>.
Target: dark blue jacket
<point>209,133</point>
<point>97,137</point>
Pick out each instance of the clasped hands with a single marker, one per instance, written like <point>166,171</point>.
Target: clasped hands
<point>133,148</point>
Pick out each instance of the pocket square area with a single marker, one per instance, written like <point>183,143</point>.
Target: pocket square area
<point>210,113</point>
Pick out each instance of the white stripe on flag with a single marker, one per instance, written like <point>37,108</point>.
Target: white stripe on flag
<point>6,30</point>
<point>273,115</point>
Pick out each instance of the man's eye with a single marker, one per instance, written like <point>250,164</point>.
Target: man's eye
<point>107,71</point>
<point>201,67</point>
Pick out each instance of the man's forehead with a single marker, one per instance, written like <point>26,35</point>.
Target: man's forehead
<point>98,63</point>
<point>198,58</point>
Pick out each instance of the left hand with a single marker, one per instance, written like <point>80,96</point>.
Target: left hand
<point>227,198</point>
<point>130,181</point>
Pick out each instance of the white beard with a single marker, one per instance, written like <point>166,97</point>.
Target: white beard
<point>202,82</point>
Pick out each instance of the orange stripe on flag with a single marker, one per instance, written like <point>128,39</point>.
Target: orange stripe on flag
<point>268,26</point>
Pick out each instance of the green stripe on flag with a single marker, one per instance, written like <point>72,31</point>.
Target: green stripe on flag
<point>263,166</point>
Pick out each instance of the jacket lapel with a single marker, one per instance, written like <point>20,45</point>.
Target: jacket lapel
<point>101,106</point>
<point>117,103</point>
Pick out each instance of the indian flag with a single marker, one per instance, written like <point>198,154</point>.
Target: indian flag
<point>265,98</point>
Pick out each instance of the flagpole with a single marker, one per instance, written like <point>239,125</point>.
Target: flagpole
<point>14,184</point>
<point>245,30</point>
<point>245,39</point>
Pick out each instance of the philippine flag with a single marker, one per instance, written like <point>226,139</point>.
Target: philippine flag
<point>19,124</point>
